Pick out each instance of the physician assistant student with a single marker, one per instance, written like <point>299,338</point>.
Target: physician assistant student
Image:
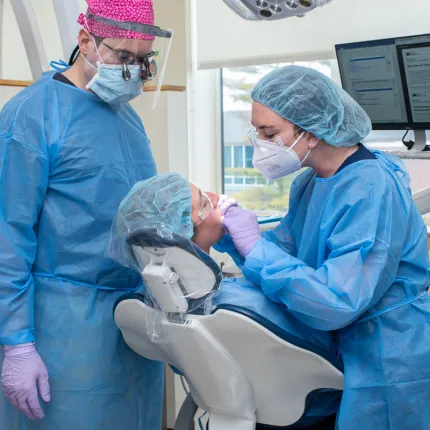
<point>351,255</point>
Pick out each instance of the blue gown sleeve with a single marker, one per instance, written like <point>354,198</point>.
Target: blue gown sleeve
<point>226,245</point>
<point>363,251</point>
<point>24,172</point>
<point>281,235</point>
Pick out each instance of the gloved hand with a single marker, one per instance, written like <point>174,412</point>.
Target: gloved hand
<point>24,371</point>
<point>242,225</point>
<point>225,203</point>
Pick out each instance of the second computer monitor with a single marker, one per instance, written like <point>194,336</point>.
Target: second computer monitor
<point>390,79</point>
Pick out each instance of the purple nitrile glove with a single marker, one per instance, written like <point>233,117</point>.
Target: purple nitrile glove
<point>23,372</point>
<point>242,225</point>
<point>225,203</point>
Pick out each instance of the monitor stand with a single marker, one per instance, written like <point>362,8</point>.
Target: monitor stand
<point>419,151</point>
<point>420,140</point>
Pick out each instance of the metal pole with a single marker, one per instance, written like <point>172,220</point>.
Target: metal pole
<point>67,12</point>
<point>31,37</point>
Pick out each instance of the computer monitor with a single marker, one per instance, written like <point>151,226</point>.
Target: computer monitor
<point>390,79</point>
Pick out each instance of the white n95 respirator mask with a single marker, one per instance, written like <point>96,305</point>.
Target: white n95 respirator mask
<point>273,159</point>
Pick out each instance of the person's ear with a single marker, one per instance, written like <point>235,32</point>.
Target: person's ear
<point>85,42</point>
<point>312,141</point>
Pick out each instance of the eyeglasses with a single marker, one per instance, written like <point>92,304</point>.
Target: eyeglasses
<point>205,207</point>
<point>147,63</point>
<point>254,139</point>
<point>276,140</point>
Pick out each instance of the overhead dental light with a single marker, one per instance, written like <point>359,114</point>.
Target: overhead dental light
<point>271,10</point>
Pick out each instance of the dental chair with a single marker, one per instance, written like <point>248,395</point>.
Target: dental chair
<point>240,368</point>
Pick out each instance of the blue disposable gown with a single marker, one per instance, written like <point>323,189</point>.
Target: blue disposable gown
<point>351,257</point>
<point>67,159</point>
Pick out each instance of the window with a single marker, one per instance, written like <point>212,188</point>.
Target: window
<point>248,157</point>
<point>241,180</point>
<point>238,157</point>
<point>227,157</point>
<point>244,182</point>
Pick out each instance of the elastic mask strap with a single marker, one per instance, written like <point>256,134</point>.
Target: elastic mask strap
<point>97,49</point>
<point>87,61</point>
<point>297,141</point>
<point>87,27</point>
<point>306,156</point>
<point>95,43</point>
<point>98,53</point>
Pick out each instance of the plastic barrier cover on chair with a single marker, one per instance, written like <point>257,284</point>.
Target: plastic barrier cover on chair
<point>150,235</point>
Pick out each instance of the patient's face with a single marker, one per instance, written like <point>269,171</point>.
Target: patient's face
<point>206,218</point>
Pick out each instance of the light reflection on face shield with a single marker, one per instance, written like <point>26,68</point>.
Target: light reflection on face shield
<point>205,207</point>
<point>206,218</point>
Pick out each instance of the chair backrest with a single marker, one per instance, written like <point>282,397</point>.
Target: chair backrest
<point>175,272</point>
<point>237,367</point>
<point>234,366</point>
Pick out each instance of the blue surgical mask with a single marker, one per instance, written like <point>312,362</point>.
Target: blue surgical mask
<point>109,83</point>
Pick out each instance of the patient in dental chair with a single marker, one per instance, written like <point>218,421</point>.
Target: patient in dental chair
<point>170,204</point>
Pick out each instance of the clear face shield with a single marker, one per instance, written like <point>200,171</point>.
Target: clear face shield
<point>271,10</point>
<point>141,62</point>
<point>205,209</point>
